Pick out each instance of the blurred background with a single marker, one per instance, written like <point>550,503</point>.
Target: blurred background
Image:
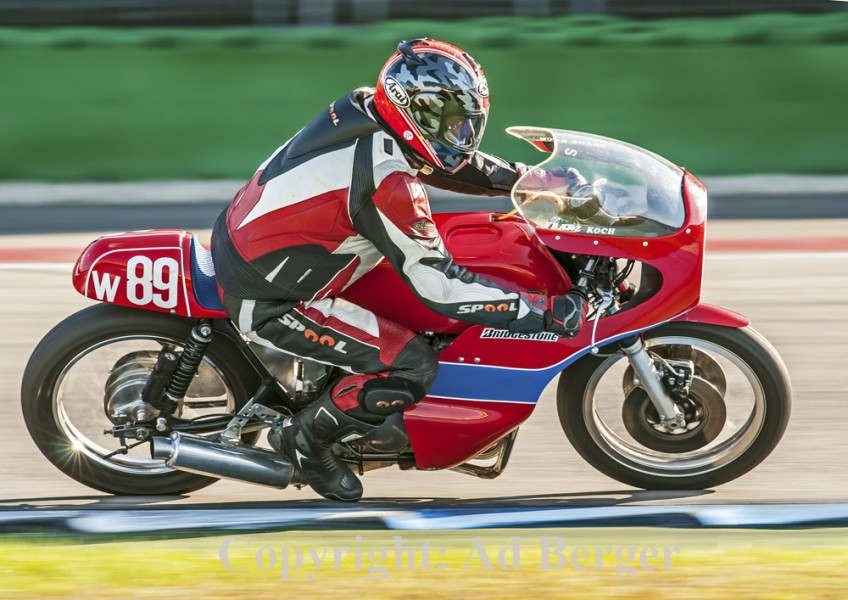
<point>130,90</point>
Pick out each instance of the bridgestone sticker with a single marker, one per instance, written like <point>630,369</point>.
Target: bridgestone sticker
<point>502,334</point>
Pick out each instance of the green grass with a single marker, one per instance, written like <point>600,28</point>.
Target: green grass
<point>719,96</point>
<point>693,564</point>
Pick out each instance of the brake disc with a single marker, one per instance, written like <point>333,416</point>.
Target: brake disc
<point>705,413</point>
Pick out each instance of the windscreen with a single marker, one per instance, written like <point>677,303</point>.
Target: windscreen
<point>600,186</point>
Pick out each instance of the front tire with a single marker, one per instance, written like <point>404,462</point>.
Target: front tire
<point>592,394</point>
<point>62,395</point>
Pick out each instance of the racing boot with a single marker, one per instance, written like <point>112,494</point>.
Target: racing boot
<point>307,439</point>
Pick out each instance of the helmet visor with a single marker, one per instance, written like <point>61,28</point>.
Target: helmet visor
<point>448,121</point>
<point>463,132</point>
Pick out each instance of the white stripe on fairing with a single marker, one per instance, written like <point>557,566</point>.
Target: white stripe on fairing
<point>349,313</point>
<point>431,283</point>
<point>245,319</point>
<point>583,350</point>
<point>529,402</point>
<point>552,369</point>
<point>383,164</point>
<point>322,174</point>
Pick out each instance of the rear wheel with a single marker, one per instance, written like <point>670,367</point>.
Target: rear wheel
<point>737,409</point>
<point>90,368</point>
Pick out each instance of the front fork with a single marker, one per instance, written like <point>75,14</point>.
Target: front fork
<point>634,349</point>
<point>671,417</point>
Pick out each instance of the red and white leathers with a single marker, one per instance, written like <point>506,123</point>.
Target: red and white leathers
<point>325,209</point>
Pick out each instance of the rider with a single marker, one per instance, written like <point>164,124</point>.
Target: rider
<point>342,194</point>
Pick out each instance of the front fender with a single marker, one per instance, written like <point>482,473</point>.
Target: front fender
<point>714,315</point>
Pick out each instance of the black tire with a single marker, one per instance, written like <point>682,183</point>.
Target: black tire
<point>746,344</point>
<point>84,330</point>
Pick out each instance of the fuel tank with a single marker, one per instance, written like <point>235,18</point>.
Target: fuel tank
<point>504,251</point>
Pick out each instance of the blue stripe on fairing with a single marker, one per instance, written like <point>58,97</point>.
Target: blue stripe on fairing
<point>498,384</point>
<point>504,384</point>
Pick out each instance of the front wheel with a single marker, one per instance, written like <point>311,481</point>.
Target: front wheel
<point>737,409</point>
<point>97,361</point>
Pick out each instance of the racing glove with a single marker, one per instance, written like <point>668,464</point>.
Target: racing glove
<point>560,180</point>
<point>583,198</point>
<point>561,315</point>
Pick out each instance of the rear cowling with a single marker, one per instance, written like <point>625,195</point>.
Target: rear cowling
<point>164,270</point>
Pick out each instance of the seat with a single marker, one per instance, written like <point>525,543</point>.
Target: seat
<point>203,277</point>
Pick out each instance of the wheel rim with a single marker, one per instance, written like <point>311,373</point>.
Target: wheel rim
<point>77,401</point>
<point>744,418</point>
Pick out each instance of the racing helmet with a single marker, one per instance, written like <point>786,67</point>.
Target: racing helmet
<point>435,98</point>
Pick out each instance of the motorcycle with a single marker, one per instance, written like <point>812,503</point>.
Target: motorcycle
<point>154,391</point>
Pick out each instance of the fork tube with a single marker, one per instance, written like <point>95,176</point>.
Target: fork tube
<point>587,271</point>
<point>643,366</point>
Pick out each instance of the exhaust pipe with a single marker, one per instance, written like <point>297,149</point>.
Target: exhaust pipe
<point>195,454</point>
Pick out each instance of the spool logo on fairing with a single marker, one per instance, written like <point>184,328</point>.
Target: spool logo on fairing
<point>396,92</point>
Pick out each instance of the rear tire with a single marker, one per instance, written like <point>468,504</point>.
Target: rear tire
<point>630,462</point>
<point>67,343</point>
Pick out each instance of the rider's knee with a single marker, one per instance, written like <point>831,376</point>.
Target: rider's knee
<point>387,395</point>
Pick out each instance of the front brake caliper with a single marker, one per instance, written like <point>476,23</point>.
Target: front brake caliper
<point>677,377</point>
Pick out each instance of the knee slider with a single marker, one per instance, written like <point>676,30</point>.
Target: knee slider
<point>388,395</point>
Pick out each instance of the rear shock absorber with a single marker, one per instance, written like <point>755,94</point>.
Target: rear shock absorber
<point>172,377</point>
<point>190,359</point>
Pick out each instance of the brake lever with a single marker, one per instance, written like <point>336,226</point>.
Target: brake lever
<point>606,301</point>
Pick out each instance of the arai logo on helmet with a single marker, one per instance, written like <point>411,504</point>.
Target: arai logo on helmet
<point>396,92</point>
<point>483,87</point>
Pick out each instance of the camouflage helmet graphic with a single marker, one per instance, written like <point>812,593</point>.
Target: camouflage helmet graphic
<point>435,98</point>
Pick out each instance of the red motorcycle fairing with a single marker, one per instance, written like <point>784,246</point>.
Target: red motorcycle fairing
<point>487,368</point>
<point>480,404</point>
<point>715,315</point>
<point>164,270</point>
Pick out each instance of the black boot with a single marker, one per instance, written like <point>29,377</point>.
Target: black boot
<point>307,440</point>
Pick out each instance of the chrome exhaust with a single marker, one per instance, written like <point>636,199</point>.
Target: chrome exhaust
<point>195,454</point>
